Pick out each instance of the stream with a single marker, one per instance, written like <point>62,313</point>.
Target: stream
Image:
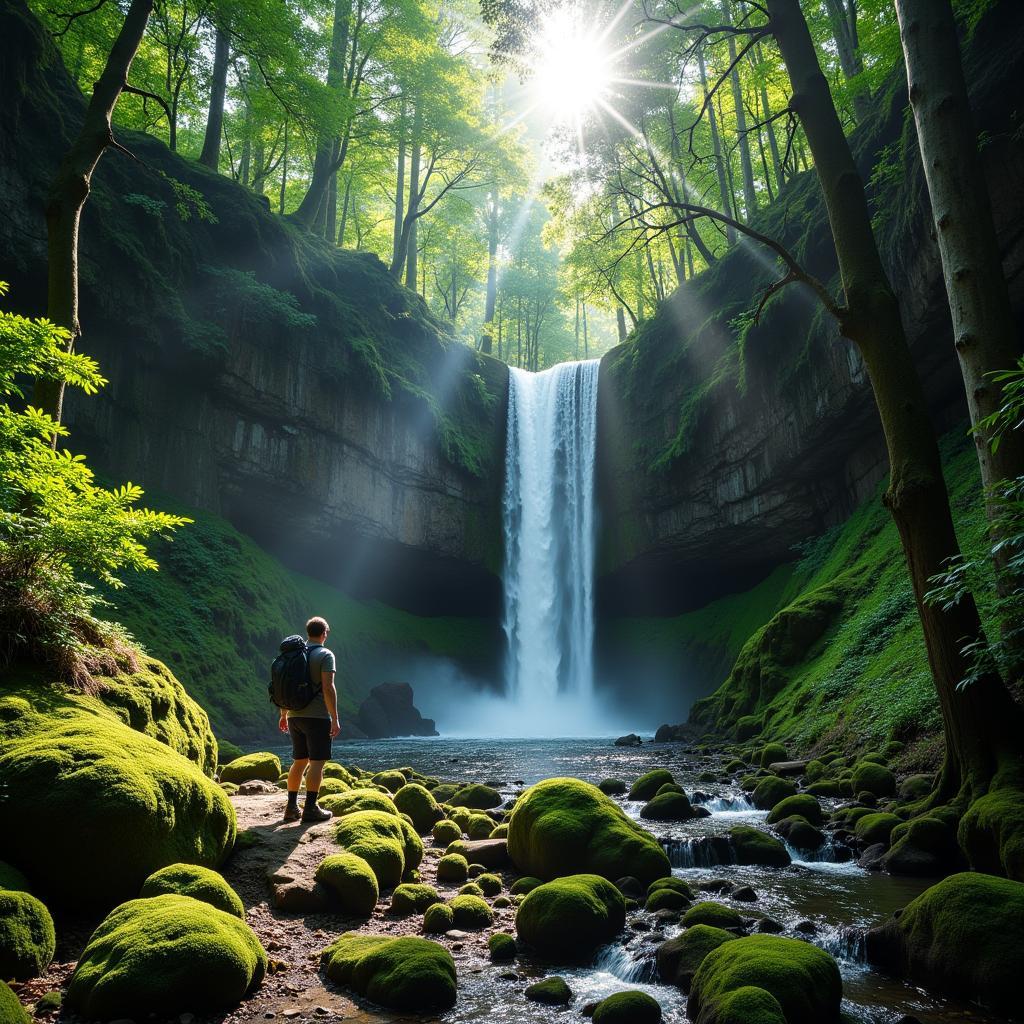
<point>826,894</point>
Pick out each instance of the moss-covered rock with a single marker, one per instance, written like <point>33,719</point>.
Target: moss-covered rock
<point>132,804</point>
<point>380,839</point>
<point>803,979</point>
<point>250,767</point>
<point>521,886</point>
<point>747,1005</point>
<point>647,786</point>
<point>875,778</point>
<point>567,919</point>
<point>824,787</point>
<point>27,938</point>
<point>666,899</point>
<point>628,1008</point>
<point>165,954</point>
<point>753,846</point>
<point>679,957</point>
<point>612,787</point>
<point>476,797</point>
<point>412,846</point>
<point>438,919</point>
<point>876,828</point>
<point>925,847</point>
<point>800,833</point>
<point>446,832</point>
<point>334,770</point>
<point>392,780</point>
<point>11,1010</point>
<point>410,974</point>
<point>409,898</point>
<point>490,883</point>
<point>361,799</point>
<point>480,826</point>
<point>452,868</point>
<point>991,833</point>
<point>417,801</point>
<point>502,946</point>
<point>12,878</point>
<point>351,882</point>
<point>499,832</point>
<point>472,889</point>
<point>715,915</point>
<point>470,911</point>
<point>198,882</point>
<point>564,826</point>
<point>667,806</point>
<point>803,804</point>
<point>771,753</point>
<point>553,991</point>
<point>916,787</point>
<point>771,790</point>
<point>444,791</point>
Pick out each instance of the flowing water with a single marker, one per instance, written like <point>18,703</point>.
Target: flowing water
<point>828,897</point>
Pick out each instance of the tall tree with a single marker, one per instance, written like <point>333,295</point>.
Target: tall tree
<point>210,155</point>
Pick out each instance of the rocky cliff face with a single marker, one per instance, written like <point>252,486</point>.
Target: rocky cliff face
<point>255,372</point>
<point>725,446</point>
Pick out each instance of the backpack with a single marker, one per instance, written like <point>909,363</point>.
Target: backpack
<point>291,688</point>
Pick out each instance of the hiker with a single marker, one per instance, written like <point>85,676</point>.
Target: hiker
<point>313,726</point>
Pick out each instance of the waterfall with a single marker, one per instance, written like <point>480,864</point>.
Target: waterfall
<point>548,513</point>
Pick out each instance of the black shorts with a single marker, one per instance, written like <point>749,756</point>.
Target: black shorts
<point>311,738</point>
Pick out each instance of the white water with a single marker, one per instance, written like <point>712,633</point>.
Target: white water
<point>548,513</point>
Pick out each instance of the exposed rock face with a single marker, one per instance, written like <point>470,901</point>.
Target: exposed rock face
<point>389,711</point>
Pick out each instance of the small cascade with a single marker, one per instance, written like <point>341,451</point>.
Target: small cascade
<point>830,852</point>
<point>700,851</point>
<point>845,942</point>
<point>731,804</point>
<point>635,967</point>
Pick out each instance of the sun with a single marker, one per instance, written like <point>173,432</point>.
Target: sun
<point>572,73</point>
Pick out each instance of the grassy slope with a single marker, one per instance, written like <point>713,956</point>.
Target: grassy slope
<point>219,606</point>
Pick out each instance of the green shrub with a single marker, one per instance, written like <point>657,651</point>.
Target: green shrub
<point>351,882</point>
<point>198,882</point>
<point>567,919</point>
<point>27,939</point>
<point>164,955</point>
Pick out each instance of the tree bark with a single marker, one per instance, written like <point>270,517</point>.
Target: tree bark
<point>746,165</point>
<point>843,19</point>
<point>716,147</point>
<point>982,723</point>
<point>399,184</point>
<point>984,332</point>
<point>411,240</point>
<point>210,155</point>
<point>492,269</point>
<point>69,191</point>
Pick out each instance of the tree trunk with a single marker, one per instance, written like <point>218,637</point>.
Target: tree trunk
<point>70,190</point>
<point>210,156</point>
<point>620,322</point>
<point>331,222</point>
<point>773,142</point>
<point>984,332</point>
<point>492,268</point>
<point>586,337</point>
<point>843,20</point>
<point>344,211</point>
<point>747,167</point>
<point>399,184</point>
<point>716,147</point>
<point>982,724</point>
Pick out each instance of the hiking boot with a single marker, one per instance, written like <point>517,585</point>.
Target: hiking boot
<point>315,814</point>
<point>292,813</point>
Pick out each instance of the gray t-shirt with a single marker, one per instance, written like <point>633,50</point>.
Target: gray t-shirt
<point>321,660</point>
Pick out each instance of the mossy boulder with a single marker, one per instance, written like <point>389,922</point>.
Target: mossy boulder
<point>412,846</point>
<point>771,753</point>
<point>679,957</point>
<point>163,955</point>
<point>803,979</point>
<point>876,828</point>
<point>566,826</point>
<point>521,886</point>
<point>753,846</point>
<point>612,787</point>
<point>667,806</point>
<point>666,899</point>
<point>824,787</point>
<point>453,868</point>
<point>800,833</point>
<point>252,767</point>
<point>416,801</point>
<point>476,797</point>
<point>675,884</point>
<point>198,882</point>
<point>379,839</point>
<point>132,804</point>
<point>11,1010</point>
<point>334,770</point>
<point>470,911</point>
<point>715,915</point>
<point>12,878</point>
<point>351,882</point>
<point>438,919</point>
<point>499,832</point>
<point>413,898</point>
<point>925,847</point>
<point>472,889</point>
<point>490,883</point>
<point>361,799</point>
<point>875,778</point>
<point>551,991</point>
<point>391,780</point>
<point>409,974</point>
<point>628,1008</point>
<point>803,804</point>
<point>27,938</point>
<point>963,936</point>
<point>771,790</point>
<point>480,826</point>
<point>331,787</point>
<point>647,786</point>
<point>444,791</point>
<point>991,833</point>
<point>445,832</point>
<point>567,919</point>
<point>917,787</point>
<point>747,1005</point>
<point>502,946</point>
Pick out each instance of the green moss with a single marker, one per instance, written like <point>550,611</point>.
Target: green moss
<point>476,797</point>
<point>800,833</point>
<point>679,957</point>
<point>747,1005</point>
<point>480,826</point>
<point>444,791</point>
<point>27,938</point>
<point>826,787</point>
<point>333,787</point>
<point>11,1010</point>
<point>874,778</point>
<point>12,878</point>
<point>416,801</point>
<point>164,955</point>
<point>452,867</point>
<point>521,886</point>
<point>446,832</point>
<point>551,991</point>
<point>499,832</point>
<point>673,883</point>
<point>963,936</point>
<point>351,883</point>
<point>471,889</point>
<point>753,846</point>
<point>666,899</point>
<point>802,978</point>
<point>198,882</point>
<point>991,833</point>
<point>667,806</point>
<point>469,911</point>
<point>392,780</point>
<point>772,752</point>
<point>490,883</point>
<point>876,828</point>
<point>410,974</point>
<point>803,804</point>
<point>648,785</point>
<point>715,915</point>
<point>567,919</point>
<point>340,804</point>
<point>49,1002</point>
<point>412,846</point>
<point>133,805</point>
<point>413,898</point>
<point>379,839</point>
<point>438,919</point>
<point>252,766</point>
<point>612,787</point>
<point>502,946</point>
<point>565,826</point>
<point>771,790</point>
<point>628,1008</point>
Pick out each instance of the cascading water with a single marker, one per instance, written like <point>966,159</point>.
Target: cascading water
<point>548,513</point>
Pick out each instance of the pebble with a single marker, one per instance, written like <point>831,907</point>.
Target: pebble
<point>293,1011</point>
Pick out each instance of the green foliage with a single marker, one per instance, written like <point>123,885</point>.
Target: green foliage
<point>198,882</point>
<point>165,954</point>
